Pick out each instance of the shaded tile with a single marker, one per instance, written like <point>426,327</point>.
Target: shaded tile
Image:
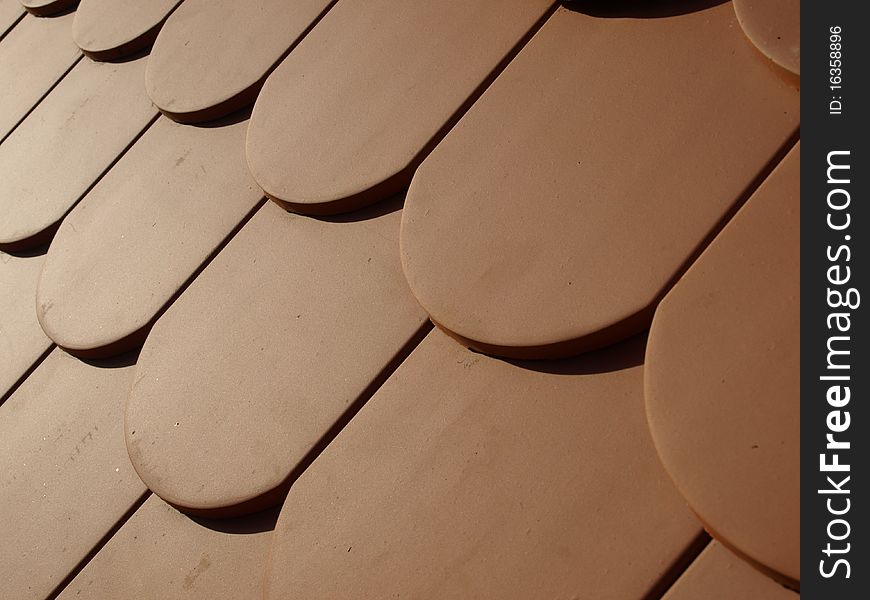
<point>10,12</point>
<point>21,339</point>
<point>45,8</point>
<point>719,575</point>
<point>111,29</point>
<point>212,56</point>
<point>130,245</point>
<point>64,475</point>
<point>161,553</point>
<point>349,114</point>
<point>99,107</point>
<point>561,207</point>
<point>32,58</point>
<point>774,26</point>
<point>266,350</point>
<point>469,477</point>
<point>722,379</point>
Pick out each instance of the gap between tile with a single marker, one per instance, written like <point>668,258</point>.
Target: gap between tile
<point>98,546</point>
<point>675,570</point>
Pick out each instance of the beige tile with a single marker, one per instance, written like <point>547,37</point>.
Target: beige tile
<point>111,29</point>
<point>131,244</point>
<point>262,355</point>
<point>65,479</point>
<point>212,56</point>
<point>66,143</point>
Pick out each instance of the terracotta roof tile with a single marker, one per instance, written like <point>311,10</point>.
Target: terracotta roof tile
<point>64,469</point>
<point>97,106</point>
<point>467,477</point>
<point>578,157</point>
<point>536,244</point>
<point>719,575</point>
<point>347,117</point>
<point>722,379</point>
<point>160,553</point>
<point>141,234</point>
<point>212,56</point>
<point>33,57</point>
<point>22,341</point>
<point>111,29</point>
<point>280,335</point>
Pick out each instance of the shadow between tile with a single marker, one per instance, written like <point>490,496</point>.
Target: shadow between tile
<point>256,523</point>
<point>622,355</point>
<point>639,9</point>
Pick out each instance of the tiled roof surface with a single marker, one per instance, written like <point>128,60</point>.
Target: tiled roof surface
<point>219,375</point>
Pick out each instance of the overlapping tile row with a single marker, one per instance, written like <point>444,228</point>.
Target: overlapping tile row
<point>723,379</point>
<point>65,479</point>
<point>245,374</point>
<point>69,140</point>
<point>22,340</point>
<point>112,29</point>
<point>212,56</point>
<point>719,575</point>
<point>349,114</point>
<point>553,217</point>
<point>33,57</point>
<point>161,553</point>
<point>141,233</point>
<point>460,467</point>
<point>468,477</point>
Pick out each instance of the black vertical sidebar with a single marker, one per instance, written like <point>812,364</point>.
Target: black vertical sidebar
<point>835,364</point>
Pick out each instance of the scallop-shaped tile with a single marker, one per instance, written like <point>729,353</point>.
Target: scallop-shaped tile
<point>65,479</point>
<point>774,26</point>
<point>212,56</point>
<point>349,114</point>
<point>46,8</point>
<point>560,208</point>
<point>161,553</point>
<point>719,575</point>
<point>263,354</point>
<point>32,58</point>
<point>66,144</point>
<point>722,379</point>
<point>22,341</point>
<point>470,477</point>
<point>131,244</point>
<point>111,29</point>
<point>10,13</point>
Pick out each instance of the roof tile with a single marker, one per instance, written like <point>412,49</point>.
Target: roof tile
<point>212,56</point>
<point>723,379</point>
<point>64,475</point>
<point>350,113</point>
<point>111,29</point>
<point>266,350</point>
<point>161,553</point>
<point>719,575</point>
<point>131,244</point>
<point>33,57</point>
<point>65,144</point>
<point>560,208</point>
<point>22,341</point>
<point>45,8</point>
<point>470,477</point>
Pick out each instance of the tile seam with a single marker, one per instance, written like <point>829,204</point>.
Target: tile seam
<point>134,506</point>
<point>42,97</point>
